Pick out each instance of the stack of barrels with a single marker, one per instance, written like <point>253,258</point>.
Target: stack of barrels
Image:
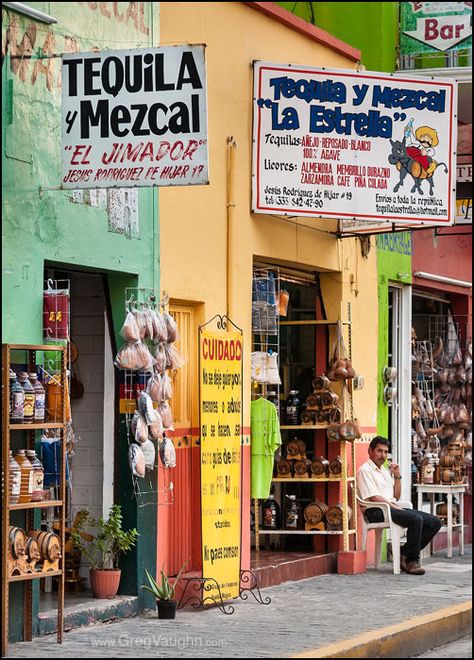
<point>35,551</point>
<point>319,515</point>
<point>322,405</point>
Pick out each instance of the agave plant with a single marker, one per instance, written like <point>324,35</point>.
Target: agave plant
<point>165,590</point>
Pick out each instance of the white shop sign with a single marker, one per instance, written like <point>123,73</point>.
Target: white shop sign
<point>134,118</point>
<point>350,145</point>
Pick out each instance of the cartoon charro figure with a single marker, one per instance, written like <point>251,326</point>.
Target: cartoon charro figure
<point>421,147</point>
<point>416,158</point>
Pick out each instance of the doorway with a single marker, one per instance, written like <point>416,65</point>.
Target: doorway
<point>91,440</point>
<point>397,388</point>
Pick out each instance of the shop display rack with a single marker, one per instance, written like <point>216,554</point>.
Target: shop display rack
<point>33,354</point>
<point>345,482</point>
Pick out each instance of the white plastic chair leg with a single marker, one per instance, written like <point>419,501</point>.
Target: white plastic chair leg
<point>378,547</point>
<point>364,537</point>
<point>396,549</point>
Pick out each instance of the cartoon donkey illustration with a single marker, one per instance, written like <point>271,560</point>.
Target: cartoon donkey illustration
<point>406,164</point>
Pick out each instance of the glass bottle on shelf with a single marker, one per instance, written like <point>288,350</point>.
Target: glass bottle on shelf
<point>14,472</point>
<point>26,483</point>
<point>17,400</point>
<point>293,409</point>
<point>40,399</point>
<point>271,513</point>
<point>292,513</point>
<point>38,475</point>
<point>29,404</point>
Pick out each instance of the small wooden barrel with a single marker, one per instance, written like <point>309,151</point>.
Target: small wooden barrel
<point>447,460</point>
<point>295,448</point>
<point>308,417</point>
<point>334,515</point>
<point>312,401</point>
<point>329,399</point>
<point>49,545</point>
<point>283,468</point>
<point>301,468</point>
<point>320,467</point>
<point>321,383</point>
<point>17,542</point>
<point>32,549</point>
<point>335,467</point>
<point>314,512</point>
<point>442,511</point>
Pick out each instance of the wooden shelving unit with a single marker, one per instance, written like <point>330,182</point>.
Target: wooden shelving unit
<point>348,483</point>
<point>31,354</point>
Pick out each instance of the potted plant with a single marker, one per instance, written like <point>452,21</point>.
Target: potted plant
<point>164,592</point>
<point>108,543</point>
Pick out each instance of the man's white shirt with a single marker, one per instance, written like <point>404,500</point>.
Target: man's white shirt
<point>372,481</point>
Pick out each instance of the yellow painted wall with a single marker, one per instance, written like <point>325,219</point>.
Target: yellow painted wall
<point>193,219</point>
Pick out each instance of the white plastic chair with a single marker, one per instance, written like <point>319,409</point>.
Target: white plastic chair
<point>396,531</point>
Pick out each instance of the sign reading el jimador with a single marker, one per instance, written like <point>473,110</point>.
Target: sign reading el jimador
<point>350,145</point>
<point>220,420</point>
<point>134,118</point>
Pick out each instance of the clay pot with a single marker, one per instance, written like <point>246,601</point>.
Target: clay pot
<point>350,370</point>
<point>349,430</point>
<point>332,433</point>
<point>105,583</point>
<point>460,374</point>
<point>442,377</point>
<point>437,348</point>
<point>341,373</point>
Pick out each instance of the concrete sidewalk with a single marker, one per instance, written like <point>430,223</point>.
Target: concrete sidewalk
<point>375,614</point>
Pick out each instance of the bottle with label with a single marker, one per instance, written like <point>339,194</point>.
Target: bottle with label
<point>40,399</point>
<point>29,404</point>
<point>271,513</point>
<point>38,475</point>
<point>26,483</point>
<point>293,409</point>
<point>428,472</point>
<point>292,513</point>
<point>17,400</point>
<point>14,472</point>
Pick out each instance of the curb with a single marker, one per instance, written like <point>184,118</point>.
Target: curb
<point>405,639</point>
<point>100,611</point>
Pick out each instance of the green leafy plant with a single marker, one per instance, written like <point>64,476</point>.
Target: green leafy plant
<point>165,590</point>
<point>109,539</point>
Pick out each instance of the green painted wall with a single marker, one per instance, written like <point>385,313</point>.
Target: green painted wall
<point>370,26</point>
<point>45,225</point>
<point>394,252</point>
<point>42,223</point>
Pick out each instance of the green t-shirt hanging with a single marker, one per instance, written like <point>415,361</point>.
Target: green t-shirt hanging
<point>265,439</point>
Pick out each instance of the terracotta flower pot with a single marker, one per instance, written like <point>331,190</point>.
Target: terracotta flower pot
<point>105,583</point>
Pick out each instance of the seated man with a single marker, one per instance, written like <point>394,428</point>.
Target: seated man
<point>379,484</point>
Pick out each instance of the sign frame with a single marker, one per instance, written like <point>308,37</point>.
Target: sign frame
<point>213,590</point>
<point>283,126</point>
<point>134,118</point>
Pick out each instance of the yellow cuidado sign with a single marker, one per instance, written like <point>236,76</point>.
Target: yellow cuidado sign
<point>220,419</point>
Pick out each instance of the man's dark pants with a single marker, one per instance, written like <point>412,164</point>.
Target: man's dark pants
<point>421,528</point>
